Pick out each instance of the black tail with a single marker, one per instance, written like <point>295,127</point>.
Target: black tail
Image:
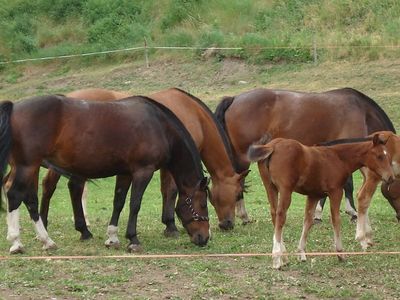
<point>6,108</point>
<point>221,109</point>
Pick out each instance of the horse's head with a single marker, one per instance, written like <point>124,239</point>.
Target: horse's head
<point>192,211</point>
<point>378,158</point>
<point>224,195</point>
<point>392,194</point>
<point>393,147</point>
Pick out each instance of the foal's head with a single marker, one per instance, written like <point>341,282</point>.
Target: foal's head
<point>224,194</point>
<point>192,211</point>
<point>378,159</point>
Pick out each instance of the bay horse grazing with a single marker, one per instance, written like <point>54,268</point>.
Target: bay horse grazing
<point>211,142</point>
<point>309,118</point>
<point>287,166</point>
<point>132,137</point>
<point>392,193</point>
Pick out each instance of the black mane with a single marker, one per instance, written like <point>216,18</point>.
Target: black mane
<point>221,131</point>
<point>187,138</point>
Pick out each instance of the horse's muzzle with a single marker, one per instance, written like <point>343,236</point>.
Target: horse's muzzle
<point>199,239</point>
<point>226,224</point>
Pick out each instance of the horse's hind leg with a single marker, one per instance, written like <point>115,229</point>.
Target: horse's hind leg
<point>140,181</point>
<point>348,194</point>
<point>49,184</point>
<point>318,211</point>
<point>24,187</point>
<point>335,199</point>
<point>308,221</point>
<point>169,193</point>
<point>122,184</point>
<point>76,187</point>
<point>272,192</point>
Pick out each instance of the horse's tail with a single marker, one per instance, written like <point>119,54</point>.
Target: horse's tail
<point>221,109</point>
<point>6,108</point>
<point>258,151</point>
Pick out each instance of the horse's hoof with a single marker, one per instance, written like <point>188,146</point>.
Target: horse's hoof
<point>112,244</point>
<point>353,219</point>
<point>341,257</point>
<point>171,233</point>
<point>135,248</point>
<point>50,245</point>
<point>17,249</point>
<point>302,257</point>
<point>86,236</point>
<point>317,221</point>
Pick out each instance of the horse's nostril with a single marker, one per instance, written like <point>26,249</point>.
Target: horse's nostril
<point>200,240</point>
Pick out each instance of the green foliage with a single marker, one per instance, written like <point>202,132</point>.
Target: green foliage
<point>35,27</point>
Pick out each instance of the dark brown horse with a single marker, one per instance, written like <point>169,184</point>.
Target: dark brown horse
<point>309,118</point>
<point>211,141</point>
<point>392,193</point>
<point>287,166</point>
<point>132,137</point>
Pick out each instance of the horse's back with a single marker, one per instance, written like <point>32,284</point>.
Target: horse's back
<point>98,94</point>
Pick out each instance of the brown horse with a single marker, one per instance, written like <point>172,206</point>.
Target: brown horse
<point>392,193</point>
<point>211,141</point>
<point>287,166</point>
<point>368,188</point>
<point>132,137</point>
<point>309,118</point>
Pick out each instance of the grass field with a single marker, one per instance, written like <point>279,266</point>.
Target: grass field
<point>366,277</point>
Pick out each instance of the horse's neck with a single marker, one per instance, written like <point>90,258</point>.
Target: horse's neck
<point>184,166</point>
<point>353,155</point>
<point>214,153</point>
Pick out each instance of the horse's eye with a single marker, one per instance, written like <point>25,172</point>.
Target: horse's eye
<point>381,157</point>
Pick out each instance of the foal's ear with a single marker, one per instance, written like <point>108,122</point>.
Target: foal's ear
<point>380,139</point>
<point>259,152</point>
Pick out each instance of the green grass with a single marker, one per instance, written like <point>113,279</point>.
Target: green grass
<point>366,277</point>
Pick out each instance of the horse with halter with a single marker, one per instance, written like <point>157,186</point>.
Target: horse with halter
<point>287,166</point>
<point>85,139</point>
<point>309,118</point>
<point>210,140</point>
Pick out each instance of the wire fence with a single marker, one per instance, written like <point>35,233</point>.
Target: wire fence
<point>145,48</point>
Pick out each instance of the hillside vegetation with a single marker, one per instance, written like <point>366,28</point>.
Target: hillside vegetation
<point>34,28</point>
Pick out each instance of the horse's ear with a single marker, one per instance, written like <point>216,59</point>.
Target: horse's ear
<point>204,183</point>
<point>259,152</point>
<point>244,174</point>
<point>380,139</point>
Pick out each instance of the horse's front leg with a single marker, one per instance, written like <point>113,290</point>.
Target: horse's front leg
<point>122,184</point>
<point>140,180</point>
<point>76,187</point>
<point>308,222</point>
<point>49,184</point>
<point>335,199</point>
<point>169,193</point>
<point>364,231</point>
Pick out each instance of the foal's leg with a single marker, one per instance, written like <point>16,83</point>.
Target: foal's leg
<point>76,187</point>
<point>271,190</point>
<point>335,199</point>
<point>348,195</point>
<point>122,184</point>
<point>24,188</point>
<point>364,231</point>
<point>140,181</point>
<point>49,184</point>
<point>308,221</point>
<point>169,193</point>
<point>278,244</point>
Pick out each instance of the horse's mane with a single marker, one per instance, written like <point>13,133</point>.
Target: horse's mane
<point>344,141</point>
<point>187,138</point>
<point>382,114</point>
<point>221,130</point>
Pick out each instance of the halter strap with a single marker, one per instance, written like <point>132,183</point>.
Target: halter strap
<point>195,216</point>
